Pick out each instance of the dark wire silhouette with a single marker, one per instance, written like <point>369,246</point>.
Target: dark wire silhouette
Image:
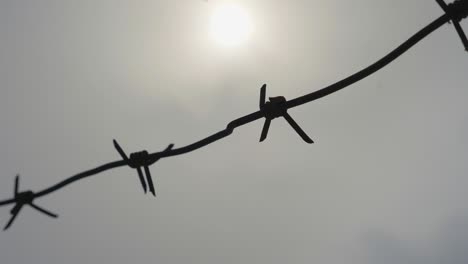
<point>456,16</point>
<point>22,199</point>
<point>274,108</point>
<point>138,160</point>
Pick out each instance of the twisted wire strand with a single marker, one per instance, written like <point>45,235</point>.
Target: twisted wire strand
<point>373,67</point>
<point>400,50</point>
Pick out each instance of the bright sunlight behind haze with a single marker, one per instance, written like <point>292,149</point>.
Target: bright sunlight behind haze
<point>230,25</point>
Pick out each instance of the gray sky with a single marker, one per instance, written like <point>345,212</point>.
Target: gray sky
<point>384,183</point>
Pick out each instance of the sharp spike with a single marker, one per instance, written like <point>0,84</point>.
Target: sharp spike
<point>462,35</point>
<point>442,4</point>
<point>169,147</point>
<point>44,211</point>
<point>16,208</point>
<point>262,96</point>
<point>266,127</point>
<point>120,150</point>
<point>12,219</point>
<point>17,185</point>
<point>142,180</point>
<point>150,181</point>
<point>297,128</point>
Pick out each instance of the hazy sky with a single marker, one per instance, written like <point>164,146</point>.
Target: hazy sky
<point>384,183</point>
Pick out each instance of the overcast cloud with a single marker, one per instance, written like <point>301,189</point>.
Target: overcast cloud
<point>384,183</point>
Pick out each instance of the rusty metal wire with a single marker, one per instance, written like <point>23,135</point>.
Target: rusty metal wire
<point>274,108</point>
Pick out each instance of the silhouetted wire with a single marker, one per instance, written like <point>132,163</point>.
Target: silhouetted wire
<point>372,68</point>
<point>458,10</point>
<point>265,112</point>
<point>121,163</point>
<point>80,176</point>
<point>257,115</point>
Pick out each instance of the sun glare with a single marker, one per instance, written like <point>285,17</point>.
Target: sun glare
<point>230,25</point>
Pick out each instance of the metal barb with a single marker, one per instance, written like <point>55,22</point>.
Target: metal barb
<point>275,108</point>
<point>139,160</point>
<point>22,199</point>
<point>457,11</point>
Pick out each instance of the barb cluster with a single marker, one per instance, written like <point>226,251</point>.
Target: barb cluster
<point>276,107</point>
<point>457,11</point>
<point>140,160</point>
<point>21,199</point>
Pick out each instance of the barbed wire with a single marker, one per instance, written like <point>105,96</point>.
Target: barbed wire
<point>274,108</point>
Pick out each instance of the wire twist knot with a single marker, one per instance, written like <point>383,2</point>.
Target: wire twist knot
<point>138,160</point>
<point>22,199</point>
<point>458,10</point>
<point>275,108</point>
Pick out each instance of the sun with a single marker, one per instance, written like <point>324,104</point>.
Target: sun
<point>230,25</point>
